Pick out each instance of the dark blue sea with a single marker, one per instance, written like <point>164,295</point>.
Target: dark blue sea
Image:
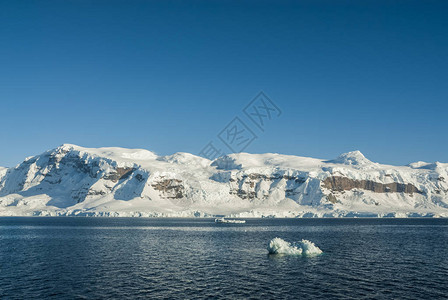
<point>139,258</point>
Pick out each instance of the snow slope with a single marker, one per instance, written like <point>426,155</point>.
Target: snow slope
<point>72,180</point>
<point>2,172</point>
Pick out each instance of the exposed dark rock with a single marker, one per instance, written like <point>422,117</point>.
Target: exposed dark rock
<point>80,194</point>
<point>247,184</point>
<point>170,188</point>
<point>96,193</point>
<point>119,174</point>
<point>58,181</point>
<point>56,163</point>
<point>339,183</point>
<point>331,198</point>
<point>139,177</point>
<point>291,192</point>
<point>244,194</point>
<point>255,176</point>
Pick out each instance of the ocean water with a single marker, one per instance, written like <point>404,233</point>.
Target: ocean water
<point>123,258</point>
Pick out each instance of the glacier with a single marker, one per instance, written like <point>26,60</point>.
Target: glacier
<point>73,180</point>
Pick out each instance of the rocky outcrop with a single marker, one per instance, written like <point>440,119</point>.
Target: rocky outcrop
<point>254,185</point>
<point>170,188</point>
<point>339,184</point>
<point>119,174</point>
<point>331,198</point>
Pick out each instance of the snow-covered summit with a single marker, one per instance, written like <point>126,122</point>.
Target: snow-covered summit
<point>71,180</point>
<point>183,158</point>
<point>238,161</point>
<point>115,153</point>
<point>353,158</point>
<point>429,166</point>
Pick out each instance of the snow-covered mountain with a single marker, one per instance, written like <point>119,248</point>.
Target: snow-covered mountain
<point>72,180</point>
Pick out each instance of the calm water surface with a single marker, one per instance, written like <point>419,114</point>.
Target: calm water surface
<point>120,258</point>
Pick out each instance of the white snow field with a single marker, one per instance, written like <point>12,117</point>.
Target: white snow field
<point>72,180</point>
<point>304,247</point>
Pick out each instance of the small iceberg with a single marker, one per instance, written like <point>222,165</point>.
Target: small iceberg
<point>304,247</point>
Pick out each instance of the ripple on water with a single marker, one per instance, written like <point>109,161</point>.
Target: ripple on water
<point>138,258</point>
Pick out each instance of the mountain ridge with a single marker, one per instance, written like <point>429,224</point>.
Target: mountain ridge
<point>112,181</point>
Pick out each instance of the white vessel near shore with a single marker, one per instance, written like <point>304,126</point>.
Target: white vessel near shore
<point>230,221</point>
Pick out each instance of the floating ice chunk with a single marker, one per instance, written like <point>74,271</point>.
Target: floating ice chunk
<point>309,249</point>
<point>304,247</point>
<point>279,246</point>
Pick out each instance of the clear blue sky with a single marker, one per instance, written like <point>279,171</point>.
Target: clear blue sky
<point>169,75</point>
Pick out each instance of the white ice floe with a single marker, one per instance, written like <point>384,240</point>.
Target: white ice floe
<point>304,247</point>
